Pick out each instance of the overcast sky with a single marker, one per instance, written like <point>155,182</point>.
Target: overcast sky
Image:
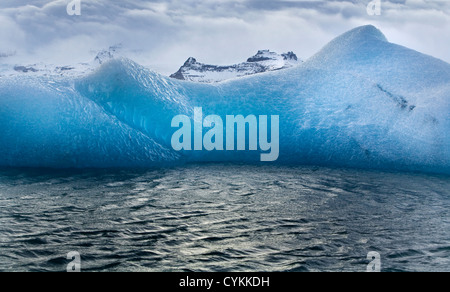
<point>162,34</point>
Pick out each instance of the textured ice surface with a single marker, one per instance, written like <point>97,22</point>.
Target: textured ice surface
<point>47,123</point>
<point>361,101</point>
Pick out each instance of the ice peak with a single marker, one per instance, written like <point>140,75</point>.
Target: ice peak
<point>362,33</point>
<point>355,46</point>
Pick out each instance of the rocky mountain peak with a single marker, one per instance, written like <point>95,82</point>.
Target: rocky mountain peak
<point>263,61</point>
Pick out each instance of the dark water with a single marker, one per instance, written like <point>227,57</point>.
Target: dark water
<point>224,218</point>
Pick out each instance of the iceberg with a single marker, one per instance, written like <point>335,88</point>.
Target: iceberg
<point>359,102</point>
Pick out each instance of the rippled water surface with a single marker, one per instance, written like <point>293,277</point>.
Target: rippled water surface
<point>224,218</point>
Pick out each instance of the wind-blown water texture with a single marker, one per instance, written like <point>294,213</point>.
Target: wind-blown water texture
<point>361,102</point>
<point>218,217</point>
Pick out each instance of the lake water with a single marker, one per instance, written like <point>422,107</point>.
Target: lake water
<point>224,217</point>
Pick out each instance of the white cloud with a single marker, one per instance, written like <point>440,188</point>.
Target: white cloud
<point>163,34</point>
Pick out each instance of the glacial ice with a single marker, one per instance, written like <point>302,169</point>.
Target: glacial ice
<point>360,102</point>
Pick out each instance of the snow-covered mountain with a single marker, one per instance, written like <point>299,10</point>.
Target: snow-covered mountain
<point>59,70</point>
<point>263,61</point>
